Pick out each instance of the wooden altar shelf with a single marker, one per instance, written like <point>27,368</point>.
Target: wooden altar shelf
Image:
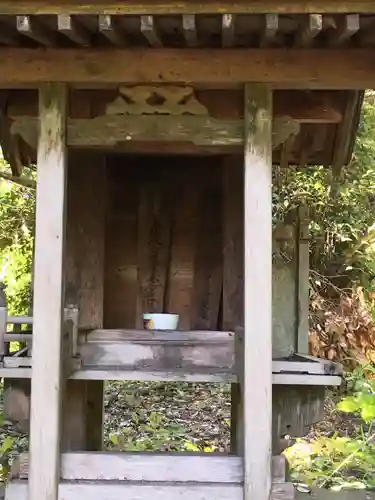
<point>192,356</point>
<point>125,475</point>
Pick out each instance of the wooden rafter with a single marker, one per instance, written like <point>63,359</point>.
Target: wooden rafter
<point>30,27</point>
<point>185,7</point>
<point>109,28</point>
<point>70,27</point>
<point>294,68</point>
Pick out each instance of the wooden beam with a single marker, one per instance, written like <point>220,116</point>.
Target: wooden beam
<point>344,31</point>
<point>185,7</point>
<point>48,288</point>
<point>228,30</point>
<point>117,130</point>
<point>31,27</point>
<point>309,31</point>
<point>68,26</point>
<point>271,26</point>
<point>189,26</point>
<point>150,32</point>
<point>110,29</point>
<point>257,398</point>
<point>281,68</point>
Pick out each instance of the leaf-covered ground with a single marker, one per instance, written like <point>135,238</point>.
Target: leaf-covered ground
<point>167,416</point>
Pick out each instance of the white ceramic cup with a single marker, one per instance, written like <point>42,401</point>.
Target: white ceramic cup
<point>159,321</point>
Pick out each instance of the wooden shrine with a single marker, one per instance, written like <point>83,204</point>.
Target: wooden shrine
<point>155,129</point>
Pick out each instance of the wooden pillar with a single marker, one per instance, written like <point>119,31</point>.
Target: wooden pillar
<point>48,295</point>
<point>86,208</point>
<point>257,386</point>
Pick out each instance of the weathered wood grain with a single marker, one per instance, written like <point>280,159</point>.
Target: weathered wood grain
<point>304,106</point>
<point>85,235</point>
<point>154,239</point>
<point>156,467</point>
<point>233,243</point>
<point>48,289</point>
<point>184,244</point>
<point>281,68</point>
<point>97,490</point>
<point>185,7</point>
<point>208,263</point>
<point>233,270</point>
<point>121,248</point>
<point>257,398</point>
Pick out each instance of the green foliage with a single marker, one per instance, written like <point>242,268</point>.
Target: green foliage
<point>333,462</point>
<point>16,244</point>
<point>342,206</point>
<point>341,462</point>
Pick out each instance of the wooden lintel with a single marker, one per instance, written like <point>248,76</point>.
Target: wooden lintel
<point>112,130</point>
<point>281,68</point>
<point>185,7</point>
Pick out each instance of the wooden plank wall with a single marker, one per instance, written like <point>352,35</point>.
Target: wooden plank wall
<point>164,240</point>
<point>84,261</point>
<point>174,228</point>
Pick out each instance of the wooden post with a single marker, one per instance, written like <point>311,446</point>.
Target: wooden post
<point>303,272</point>
<point>257,387</point>
<point>48,296</point>
<point>233,271</point>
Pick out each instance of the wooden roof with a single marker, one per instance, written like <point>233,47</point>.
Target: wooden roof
<point>189,30</point>
<point>69,30</point>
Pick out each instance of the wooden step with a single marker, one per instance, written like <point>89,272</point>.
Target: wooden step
<point>152,467</point>
<point>141,476</point>
<point>106,490</point>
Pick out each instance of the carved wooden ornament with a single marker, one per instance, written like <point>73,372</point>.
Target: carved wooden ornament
<point>156,100</point>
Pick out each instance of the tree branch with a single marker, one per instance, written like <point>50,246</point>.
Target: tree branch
<point>21,181</point>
